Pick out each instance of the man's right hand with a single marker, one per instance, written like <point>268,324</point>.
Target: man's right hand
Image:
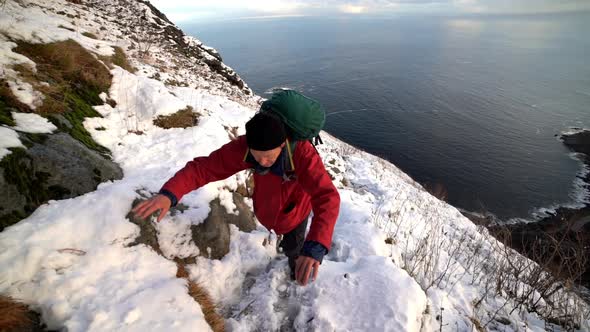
<point>146,208</point>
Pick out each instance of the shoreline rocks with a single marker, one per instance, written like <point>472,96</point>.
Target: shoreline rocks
<point>569,226</point>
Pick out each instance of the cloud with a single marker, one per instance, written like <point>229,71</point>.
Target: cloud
<point>183,10</point>
<point>353,9</point>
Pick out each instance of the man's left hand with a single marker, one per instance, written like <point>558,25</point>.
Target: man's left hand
<point>303,268</point>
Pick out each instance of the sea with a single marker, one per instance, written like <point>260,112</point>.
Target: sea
<point>471,103</point>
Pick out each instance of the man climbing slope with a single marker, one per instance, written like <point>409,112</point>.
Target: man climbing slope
<point>290,179</point>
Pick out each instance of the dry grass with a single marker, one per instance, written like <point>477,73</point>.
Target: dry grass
<point>66,28</point>
<point>68,62</point>
<point>89,35</point>
<point>200,295</point>
<point>120,60</point>
<point>181,119</point>
<point>15,316</point>
<point>71,80</point>
<point>476,324</point>
<point>67,68</point>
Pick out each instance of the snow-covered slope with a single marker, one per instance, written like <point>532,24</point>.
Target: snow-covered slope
<point>402,260</point>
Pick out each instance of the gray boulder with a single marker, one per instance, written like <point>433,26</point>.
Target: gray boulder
<point>72,165</point>
<point>53,166</point>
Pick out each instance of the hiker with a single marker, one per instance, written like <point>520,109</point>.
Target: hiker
<point>290,179</point>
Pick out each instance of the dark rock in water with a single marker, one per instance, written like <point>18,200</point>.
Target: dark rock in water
<point>578,142</point>
<point>52,167</point>
<point>212,237</point>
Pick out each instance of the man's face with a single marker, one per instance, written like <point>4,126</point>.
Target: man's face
<point>267,158</point>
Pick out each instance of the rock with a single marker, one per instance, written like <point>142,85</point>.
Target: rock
<point>148,234</point>
<point>72,165</point>
<point>62,120</point>
<point>578,142</point>
<point>12,201</point>
<point>53,167</point>
<point>213,235</point>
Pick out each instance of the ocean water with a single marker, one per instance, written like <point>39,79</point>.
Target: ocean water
<point>471,103</point>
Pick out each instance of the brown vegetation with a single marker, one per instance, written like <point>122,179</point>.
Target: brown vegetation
<point>89,35</point>
<point>181,119</point>
<point>71,80</point>
<point>9,103</point>
<point>68,69</point>
<point>200,295</point>
<point>15,316</point>
<point>120,60</point>
<point>553,272</point>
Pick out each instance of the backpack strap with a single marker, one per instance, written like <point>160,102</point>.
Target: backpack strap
<point>246,155</point>
<point>316,140</point>
<point>290,152</point>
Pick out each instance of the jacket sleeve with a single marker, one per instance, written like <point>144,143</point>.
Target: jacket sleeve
<point>219,165</point>
<point>325,200</point>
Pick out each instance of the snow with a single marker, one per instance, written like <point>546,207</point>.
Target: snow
<point>8,139</point>
<point>366,282</point>
<point>36,25</point>
<point>32,123</point>
<point>25,93</point>
<point>142,98</point>
<point>71,261</point>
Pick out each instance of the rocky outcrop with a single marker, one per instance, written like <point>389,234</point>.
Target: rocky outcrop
<point>54,166</point>
<point>578,142</point>
<point>71,165</point>
<point>193,49</point>
<point>212,236</point>
<point>147,26</point>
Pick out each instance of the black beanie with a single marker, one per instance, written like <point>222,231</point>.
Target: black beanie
<point>265,132</point>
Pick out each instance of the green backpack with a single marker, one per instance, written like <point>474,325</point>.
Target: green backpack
<point>303,116</point>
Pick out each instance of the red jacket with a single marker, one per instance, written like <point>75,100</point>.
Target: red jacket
<point>311,189</point>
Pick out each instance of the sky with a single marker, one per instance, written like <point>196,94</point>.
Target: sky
<point>185,11</point>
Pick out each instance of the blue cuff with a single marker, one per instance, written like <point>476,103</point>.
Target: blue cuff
<point>170,195</point>
<point>314,250</point>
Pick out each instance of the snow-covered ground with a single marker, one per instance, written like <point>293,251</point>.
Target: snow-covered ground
<point>401,260</point>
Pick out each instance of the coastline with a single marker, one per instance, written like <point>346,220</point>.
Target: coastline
<point>569,225</point>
